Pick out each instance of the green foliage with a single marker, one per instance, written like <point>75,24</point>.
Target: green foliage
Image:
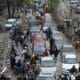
<point>20,3</point>
<point>55,1</point>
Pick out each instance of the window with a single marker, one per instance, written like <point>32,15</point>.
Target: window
<point>46,78</point>
<point>70,61</point>
<point>48,64</point>
<point>39,39</point>
<point>68,49</point>
<point>9,22</point>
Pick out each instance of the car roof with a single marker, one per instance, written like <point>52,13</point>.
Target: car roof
<point>34,28</point>
<point>68,45</point>
<point>46,58</point>
<point>70,55</point>
<point>11,19</point>
<point>56,32</point>
<point>59,38</point>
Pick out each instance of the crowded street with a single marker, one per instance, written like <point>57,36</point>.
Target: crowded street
<point>33,46</point>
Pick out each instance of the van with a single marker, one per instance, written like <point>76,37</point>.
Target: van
<point>10,23</point>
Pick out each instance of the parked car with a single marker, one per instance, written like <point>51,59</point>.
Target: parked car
<point>10,23</point>
<point>46,75</point>
<point>69,61</point>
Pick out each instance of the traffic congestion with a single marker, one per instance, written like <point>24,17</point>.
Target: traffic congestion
<point>38,50</point>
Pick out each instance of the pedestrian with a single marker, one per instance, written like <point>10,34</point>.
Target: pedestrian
<point>16,39</point>
<point>13,50</point>
<point>12,60</point>
<point>18,67</point>
<point>73,70</point>
<point>79,67</point>
<point>45,53</point>
<point>2,77</point>
<point>21,40</point>
<point>17,58</point>
<point>52,42</point>
<point>25,45</point>
<point>64,77</point>
<point>49,33</point>
<point>26,67</point>
<point>78,77</point>
<point>52,46</point>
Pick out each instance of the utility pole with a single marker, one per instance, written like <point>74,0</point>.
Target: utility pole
<point>8,5</point>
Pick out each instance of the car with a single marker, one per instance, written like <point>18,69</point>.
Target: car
<point>40,38</point>
<point>59,41</point>
<point>77,9</point>
<point>39,49</point>
<point>48,17</point>
<point>68,48</point>
<point>69,61</point>
<point>32,21</point>
<point>46,76</point>
<point>48,64</point>
<point>56,34</point>
<point>53,28</point>
<point>33,30</point>
<point>73,3</point>
<point>10,23</point>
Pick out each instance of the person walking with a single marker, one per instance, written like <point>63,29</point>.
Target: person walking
<point>73,70</point>
<point>12,57</point>
<point>21,40</point>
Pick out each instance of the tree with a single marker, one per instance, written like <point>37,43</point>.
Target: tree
<point>2,4</point>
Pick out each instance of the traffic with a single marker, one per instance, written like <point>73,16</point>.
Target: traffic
<point>38,51</point>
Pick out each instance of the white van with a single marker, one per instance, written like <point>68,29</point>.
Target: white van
<point>10,23</point>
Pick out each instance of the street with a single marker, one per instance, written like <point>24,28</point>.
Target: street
<point>33,46</point>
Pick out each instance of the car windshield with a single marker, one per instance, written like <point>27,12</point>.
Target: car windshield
<point>34,29</point>
<point>9,22</point>
<point>56,34</point>
<point>46,78</point>
<point>39,39</point>
<point>48,64</point>
<point>68,49</point>
<point>59,41</point>
<point>70,61</point>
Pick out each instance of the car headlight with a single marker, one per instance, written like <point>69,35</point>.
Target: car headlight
<point>65,70</point>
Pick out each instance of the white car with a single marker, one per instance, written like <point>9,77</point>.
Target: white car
<point>46,76</point>
<point>10,24</point>
<point>69,61</point>
<point>68,48</point>
<point>56,34</point>
<point>73,3</point>
<point>39,49</point>
<point>48,64</point>
<point>59,41</point>
<point>48,17</point>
